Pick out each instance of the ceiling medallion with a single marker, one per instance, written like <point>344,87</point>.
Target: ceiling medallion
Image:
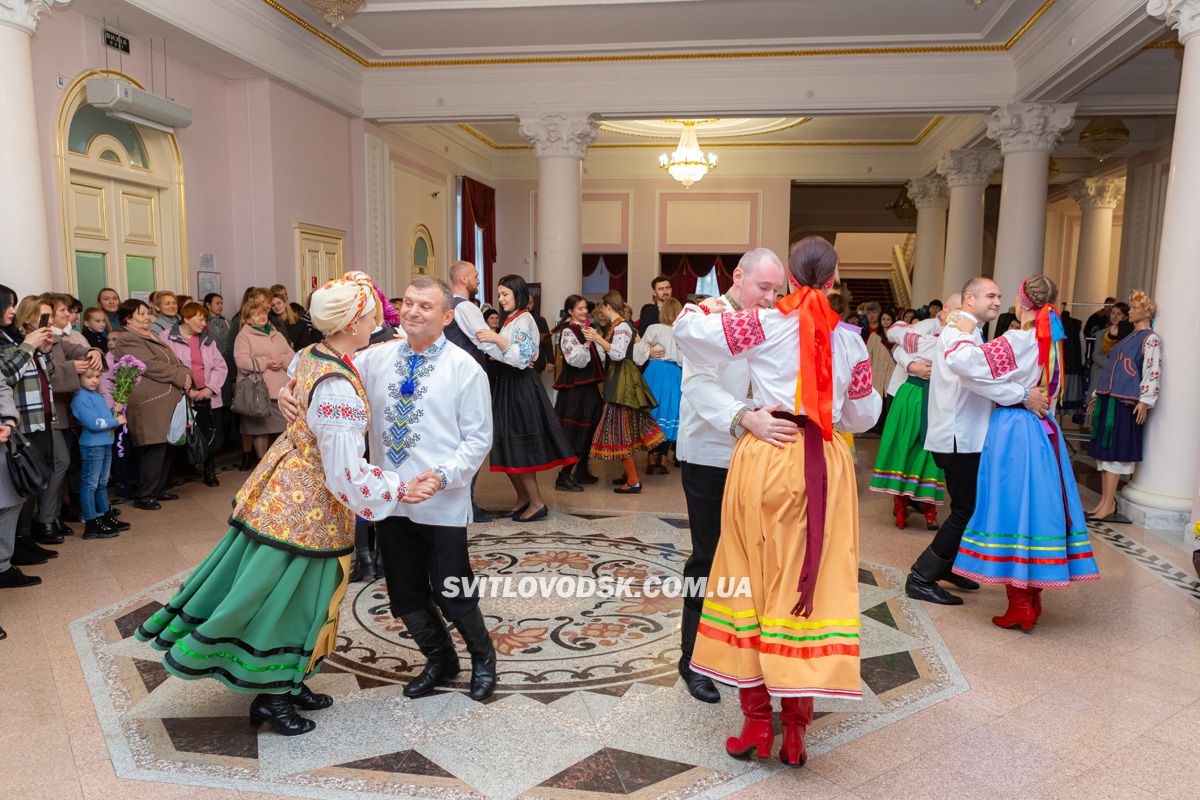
<point>335,12</point>
<point>688,163</point>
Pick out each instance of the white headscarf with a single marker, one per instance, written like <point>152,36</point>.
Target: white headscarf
<point>341,302</point>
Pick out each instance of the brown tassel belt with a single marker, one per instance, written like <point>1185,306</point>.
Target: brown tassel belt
<point>816,481</point>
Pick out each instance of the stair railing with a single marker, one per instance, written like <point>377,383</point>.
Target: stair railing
<point>901,271</point>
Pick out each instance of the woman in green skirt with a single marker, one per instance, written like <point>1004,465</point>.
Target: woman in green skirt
<point>261,611</point>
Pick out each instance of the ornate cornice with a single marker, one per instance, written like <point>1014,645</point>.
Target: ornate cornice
<point>1098,192</point>
<point>929,192</point>
<point>1029,126</point>
<point>24,14</point>
<point>1182,15</point>
<point>559,134</point>
<point>968,167</point>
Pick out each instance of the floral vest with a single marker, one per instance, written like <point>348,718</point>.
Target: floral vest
<point>285,502</point>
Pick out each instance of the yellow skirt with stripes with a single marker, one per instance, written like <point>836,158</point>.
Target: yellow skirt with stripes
<point>747,641</point>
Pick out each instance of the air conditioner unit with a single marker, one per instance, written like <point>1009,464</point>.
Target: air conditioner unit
<point>123,100</point>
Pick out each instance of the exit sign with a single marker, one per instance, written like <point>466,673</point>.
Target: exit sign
<point>116,41</point>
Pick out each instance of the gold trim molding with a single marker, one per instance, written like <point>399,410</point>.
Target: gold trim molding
<point>637,57</point>
<point>920,137</point>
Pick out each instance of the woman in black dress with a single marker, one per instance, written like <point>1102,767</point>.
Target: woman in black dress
<point>578,381</point>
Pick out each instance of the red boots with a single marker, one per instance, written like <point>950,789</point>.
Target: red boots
<point>900,509</point>
<point>1020,609</point>
<point>1037,603</point>
<point>931,522</point>
<point>758,732</point>
<point>796,716</point>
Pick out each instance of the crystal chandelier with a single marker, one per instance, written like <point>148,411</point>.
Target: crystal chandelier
<point>336,11</point>
<point>1103,135</point>
<point>688,163</point>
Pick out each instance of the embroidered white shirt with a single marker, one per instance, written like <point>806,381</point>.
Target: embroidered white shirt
<point>576,353</point>
<point>915,342</point>
<point>523,337</point>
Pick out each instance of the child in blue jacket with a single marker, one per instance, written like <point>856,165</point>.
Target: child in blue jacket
<point>95,448</point>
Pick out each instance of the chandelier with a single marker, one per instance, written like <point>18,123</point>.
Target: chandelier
<point>336,11</point>
<point>1103,135</point>
<point>688,163</point>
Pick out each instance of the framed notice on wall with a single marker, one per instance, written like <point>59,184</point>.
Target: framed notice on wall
<point>207,283</point>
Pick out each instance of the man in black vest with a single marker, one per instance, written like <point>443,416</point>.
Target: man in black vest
<point>464,282</point>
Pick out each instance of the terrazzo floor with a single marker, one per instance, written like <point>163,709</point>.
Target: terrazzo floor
<point>1102,700</point>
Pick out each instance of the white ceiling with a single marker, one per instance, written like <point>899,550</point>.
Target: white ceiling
<point>399,28</point>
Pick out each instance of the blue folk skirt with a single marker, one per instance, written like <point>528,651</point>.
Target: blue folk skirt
<point>1028,529</point>
<point>664,379</point>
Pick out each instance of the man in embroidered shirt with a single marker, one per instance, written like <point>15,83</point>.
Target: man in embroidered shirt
<point>714,411</point>
<point>431,413</point>
<point>959,409</point>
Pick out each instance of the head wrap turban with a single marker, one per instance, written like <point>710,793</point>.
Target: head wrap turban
<point>342,301</point>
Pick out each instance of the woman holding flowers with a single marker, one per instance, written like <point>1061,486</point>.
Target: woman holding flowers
<point>261,611</point>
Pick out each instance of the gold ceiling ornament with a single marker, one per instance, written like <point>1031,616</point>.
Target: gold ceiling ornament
<point>688,163</point>
<point>335,12</point>
<point>1103,135</point>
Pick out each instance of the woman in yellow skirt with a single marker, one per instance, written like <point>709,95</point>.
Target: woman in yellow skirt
<point>790,514</point>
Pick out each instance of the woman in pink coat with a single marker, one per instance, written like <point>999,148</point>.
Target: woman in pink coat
<point>261,347</point>
<point>190,340</point>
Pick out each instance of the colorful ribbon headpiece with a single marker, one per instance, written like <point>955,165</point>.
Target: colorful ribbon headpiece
<point>343,301</point>
<point>1049,331</point>
<point>814,380</point>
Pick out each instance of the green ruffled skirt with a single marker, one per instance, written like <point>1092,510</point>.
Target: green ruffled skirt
<point>250,616</point>
<point>904,467</point>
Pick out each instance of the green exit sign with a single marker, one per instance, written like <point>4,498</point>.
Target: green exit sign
<point>116,41</point>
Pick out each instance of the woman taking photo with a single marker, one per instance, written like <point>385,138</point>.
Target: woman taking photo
<point>260,613</point>
<point>195,347</point>
<point>153,400</point>
<point>528,438</point>
<point>625,424</point>
<point>579,404</point>
<point>260,348</point>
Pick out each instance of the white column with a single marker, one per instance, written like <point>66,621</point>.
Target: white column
<point>1027,133</point>
<point>1097,198</point>
<point>22,202</point>
<point>1165,483</point>
<point>560,142</point>
<point>967,173</point>
<point>931,197</point>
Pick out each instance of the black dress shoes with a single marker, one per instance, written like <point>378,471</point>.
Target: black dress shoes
<point>165,496</point>
<point>13,578</point>
<point>146,505</point>
<point>63,529</point>
<point>540,514</point>
<point>481,515</point>
<point>566,485</point>
<point>699,686</point>
<point>585,478</point>
<point>26,553</point>
<point>46,533</point>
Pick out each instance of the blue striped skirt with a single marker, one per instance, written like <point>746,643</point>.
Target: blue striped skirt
<point>1028,529</point>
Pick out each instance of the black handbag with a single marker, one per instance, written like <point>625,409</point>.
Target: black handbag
<point>197,439</point>
<point>28,478</point>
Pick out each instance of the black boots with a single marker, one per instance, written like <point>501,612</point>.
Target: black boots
<point>210,473</point>
<point>582,476</point>
<point>46,533</point>
<point>96,529</point>
<point>441,662</point>
<point>922,584</point>
<point>565,483</point>
<point>277,709</point>
<point>483,655</point>
<point>110,519</point>
<point>310,700</point>
<point>699,686</point>
<point>364,568</point>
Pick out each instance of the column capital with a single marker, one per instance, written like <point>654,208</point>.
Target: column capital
<point>929,192</point>
<point>1098,192</point>
<point>24,14</point>
<point>1182,15</point>
<point>558,134</point>
<point>968,167</point>
<point>1029,126</point>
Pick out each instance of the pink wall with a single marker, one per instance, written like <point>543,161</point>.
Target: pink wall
<point>257,156</point>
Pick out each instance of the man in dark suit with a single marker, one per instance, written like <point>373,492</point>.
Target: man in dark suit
<point>660,292</point>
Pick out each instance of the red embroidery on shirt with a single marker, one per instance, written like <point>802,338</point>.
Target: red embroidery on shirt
<point>377,472</point>
<point>342,411</point>
<point>1000,358</point>
<point>343,498</point>
<point>365,491</point>
<point>912,341</point>
<point>387,496</point>
<point>860,380</point>
<point>347,473</point>
<point>367,513</point>
<point>742,329</point>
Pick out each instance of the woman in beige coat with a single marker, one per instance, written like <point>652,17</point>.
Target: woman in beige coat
<point>153,400</point>
<point>261,347</point>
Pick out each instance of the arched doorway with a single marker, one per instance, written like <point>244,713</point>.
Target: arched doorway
<point>122,201</point>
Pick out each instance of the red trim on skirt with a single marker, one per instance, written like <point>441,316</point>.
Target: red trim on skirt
<point>562,462</point>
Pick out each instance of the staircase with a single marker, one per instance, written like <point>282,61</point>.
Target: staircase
<point>864,290</point>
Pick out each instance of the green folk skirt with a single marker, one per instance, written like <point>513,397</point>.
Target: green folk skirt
<point>250,616</point>
<point>904,467</point>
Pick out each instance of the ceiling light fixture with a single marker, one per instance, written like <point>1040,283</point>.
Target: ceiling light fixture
<point>1102,136</point>
<point>335,12</point>
<point>688,163</point>
<point>975,3</point>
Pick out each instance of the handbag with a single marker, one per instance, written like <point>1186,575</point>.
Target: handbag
<point>177,430</point>
<point>197,440</point>
<point>28,478</point>
<point>251,397</point>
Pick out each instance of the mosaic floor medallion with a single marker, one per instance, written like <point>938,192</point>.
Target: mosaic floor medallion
<point>590,704</point>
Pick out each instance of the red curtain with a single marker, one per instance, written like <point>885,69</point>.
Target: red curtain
<point>617,265</point>
<point>479,211</point>
<point>684,268</point>
<point>676,267</point>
